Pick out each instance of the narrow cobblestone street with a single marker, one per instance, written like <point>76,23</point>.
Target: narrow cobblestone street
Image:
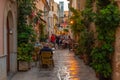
<point>67,67</point>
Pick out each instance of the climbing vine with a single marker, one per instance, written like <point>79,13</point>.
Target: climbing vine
<point>81,27</point>
<point>86,39</point>
<point>87,13</point>
<point>77,25</point>
<point>107,20</point>
<point>26,35</point>
<point>102,3</point>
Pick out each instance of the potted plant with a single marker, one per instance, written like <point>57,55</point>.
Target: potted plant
<point>26,33</point>
<point>24,56</point>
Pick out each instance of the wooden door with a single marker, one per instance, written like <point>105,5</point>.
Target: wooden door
<point>8,47</point>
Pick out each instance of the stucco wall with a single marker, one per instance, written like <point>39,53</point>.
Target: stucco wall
<point>40,5</point>
<point>2,3</point>
<point>3,68</point>
<point>74,3</point>
<point>7,6</point>
<point>116,59</point>
<point>55,8</point>
<point>82,4</point>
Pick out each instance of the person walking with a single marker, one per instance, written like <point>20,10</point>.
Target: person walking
<point>53,39</point>
<point>57,41</point>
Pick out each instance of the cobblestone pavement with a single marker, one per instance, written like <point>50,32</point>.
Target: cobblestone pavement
<point>67,67</point>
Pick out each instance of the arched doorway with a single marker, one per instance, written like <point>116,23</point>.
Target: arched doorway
<point>9,27</point>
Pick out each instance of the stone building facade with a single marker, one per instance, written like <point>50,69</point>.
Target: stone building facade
<point>50,18</point>
<point>55,17</point>
<point>8,38</point>
<point>43,6</point>
<point>116,57</point>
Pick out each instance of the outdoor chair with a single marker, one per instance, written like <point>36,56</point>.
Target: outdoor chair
<point>46,59</point>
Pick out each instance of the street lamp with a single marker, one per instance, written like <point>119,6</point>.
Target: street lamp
<point>71,22</point>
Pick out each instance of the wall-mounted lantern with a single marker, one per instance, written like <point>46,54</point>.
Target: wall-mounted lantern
<point>11,31</point>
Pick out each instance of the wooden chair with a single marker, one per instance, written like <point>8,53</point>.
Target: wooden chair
<point>46,58</point>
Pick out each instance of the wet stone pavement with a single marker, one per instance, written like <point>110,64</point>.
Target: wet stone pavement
<point>67,67</point>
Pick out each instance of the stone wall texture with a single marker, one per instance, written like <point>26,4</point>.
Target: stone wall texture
<point>2,7</point>
<point>3,75</point>
<point>6,7</point>
<point>116,59</point>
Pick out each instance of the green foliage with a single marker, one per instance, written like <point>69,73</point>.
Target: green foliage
<point>109,17</point>
<point>81,23</point>
<point>26,34</point>
<point>100,61</point>
<point>89,42</point>
<point>37,16</point>
<point>88,16</point>
<point>26,6</point>
<point>102,3</point>
<point>107,20</point>
<point>77,25</point>
<point>25,52</point>
<point>89,3</point>
<point>86,42</point>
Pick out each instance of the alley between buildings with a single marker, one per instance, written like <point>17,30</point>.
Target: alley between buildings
<point>67,67</point>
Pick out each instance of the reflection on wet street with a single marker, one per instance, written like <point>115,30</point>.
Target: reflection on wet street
<point>67,67</point>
